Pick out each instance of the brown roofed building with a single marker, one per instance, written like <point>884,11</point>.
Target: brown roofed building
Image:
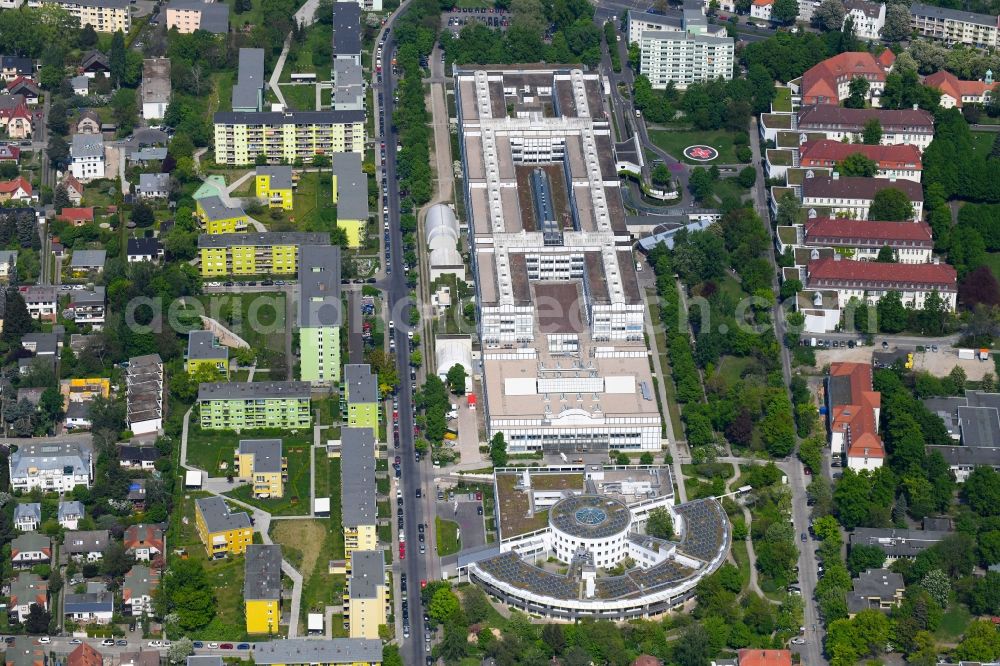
<point>913,126</point>
<point>912,242</point>
<point>854,412</point>
<point>85,655</point>
<point>829,82</point>
<point>894,161</point>
<point>956,92</point>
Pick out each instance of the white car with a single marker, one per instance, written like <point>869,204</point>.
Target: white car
<point>212,646</point>
<point>75,641</point>
<point>155,644</point>
<point>44,640</point>
<point>798,641</point>
<point>108,642</point>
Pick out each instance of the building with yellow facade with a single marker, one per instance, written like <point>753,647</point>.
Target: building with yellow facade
<point>350,193</point>
<point>260,462</point>
<point>366,597</point>
<point>223,532</point>
<point>262,589</point>
<point>357,491</point>
<point>274,185</point>
<point>319,652</point>
<point>101,15</point>
<point>85,389</point>
<point>204,350</point>
<point>240,136</point>
<point>267,253</point>
<point>218,218</point>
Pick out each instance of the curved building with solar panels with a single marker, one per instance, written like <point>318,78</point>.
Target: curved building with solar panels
<point>592,519</point>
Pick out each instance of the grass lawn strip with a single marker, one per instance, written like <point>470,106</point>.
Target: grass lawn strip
<point>674,142</point>
<point>446,533</point>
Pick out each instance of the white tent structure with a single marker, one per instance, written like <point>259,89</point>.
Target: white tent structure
<point>452,349</point>
<point>442,235</point>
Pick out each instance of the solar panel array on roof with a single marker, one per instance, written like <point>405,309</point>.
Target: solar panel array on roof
<point>704,529</point>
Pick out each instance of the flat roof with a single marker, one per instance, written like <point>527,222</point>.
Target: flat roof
<point>156,80</point>
<point>290,117</point>
<point>266,454</point>
<point>202,345</point>
<point>367,574</point>
<point>352,184</point>
<point>979,426</point>
<point>264,239</point>
<point>346,29</point>
<point>262,569</point>
<point>319,286</point>
<point>319,651</point>
<point>254,390</point>
<point>357,473</point>
<point>250,80</point>
<point>362,383</point>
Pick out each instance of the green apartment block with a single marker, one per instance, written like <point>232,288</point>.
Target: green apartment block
<point>320,316</point>
<point>252,405</point>
<point>359,397</point>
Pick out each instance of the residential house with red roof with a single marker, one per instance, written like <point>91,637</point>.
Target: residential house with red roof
<point>854,408</point>
<point>829,82</point>
<point>18,189</point>
<point>77,216</point>
<point>74,188</point>
<point>955,92</point>
<point>895,161</point>
<point>26,86</point>
<point>10,153</point>
<point>25,590</point>
<point>145,542</point>
<point>761,9</point>
<point>16,121</point>
<point>758,657</point>
<point>85,655</point>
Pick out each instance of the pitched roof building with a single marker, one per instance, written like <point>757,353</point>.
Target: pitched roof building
<point>894,161</point>
<point>828,82</point>
<point>956,92</point>
<point>854,408</point>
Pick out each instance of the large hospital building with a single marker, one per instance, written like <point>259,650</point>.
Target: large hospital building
<point>561,315</point>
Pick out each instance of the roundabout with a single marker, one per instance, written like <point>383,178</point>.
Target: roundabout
<point>701,153</point>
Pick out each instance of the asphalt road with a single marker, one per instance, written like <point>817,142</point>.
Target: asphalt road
<point>398,301</point>
<point>66,644</point>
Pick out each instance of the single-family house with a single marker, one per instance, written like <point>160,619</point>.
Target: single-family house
<point>143,249</point>
<point>87,262</point>
<point>144,541</point>
<point>15,119</point>
<point>154,185</point>
<point>80,85</point>
<point>78,416</point>
<point>74,189</point>
<point>137,457</point>
<point>77,216</point>
<point>88,123</point>
<point>8,264</point>
<point>95,606</point>
<point>18,189</point>
<point>28,516</point>
<point>880,589</point>
<point>70,514</point>
<point>26,86</point>
<point>29,549</point>
<point>27,589</point>
<point>137,591</point>
<point>85,655</point>
<point>12,67</point>
<point>86,545</point>
<point>95,63</point>
<point>10,153</point>
<point>87,306</point>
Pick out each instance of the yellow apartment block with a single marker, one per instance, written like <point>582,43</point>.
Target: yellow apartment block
<point>218,218</point>
<point>222,531</point>
<point>359,513</point>
<point>260,462</point>
<point>366,596</point>
<point>274,185</point>
<point>240,136</point>
<point>262,589</point>
<point>268,253</point>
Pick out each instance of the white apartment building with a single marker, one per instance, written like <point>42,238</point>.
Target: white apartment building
<point>869,281</point>
<point>954,26</point>
<point>87,157</point>
<point>684,54</point>
<point>52,467</point>
<point>868,17</point>
<point>851,197</point>
<point>904,126</point>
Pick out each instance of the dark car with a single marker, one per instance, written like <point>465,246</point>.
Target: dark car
<point>197,644</point>
<point>121,643</point>
<point>226,646</point>
<point>479,510</point>
<point>803,536</point>
<point>243,646</point>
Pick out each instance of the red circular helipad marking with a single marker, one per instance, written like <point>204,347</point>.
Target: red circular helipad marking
<point>701,153</point>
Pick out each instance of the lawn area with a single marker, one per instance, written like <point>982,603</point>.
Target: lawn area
<point>953,623</point>
<point>674,142</point>
<point>313,207</point>
<point>739,551</point>
<point>224,90</point>
<point>446,532</point>
<point>728,187</point>
<point>300,96</point>
<point>668,387</point>
<point>212,450</point>
<point>783,100</point>
<point>993,261</point>
<point>982,142</point>
<point>311,544</point>
<point>296,501</point>
<point>229,622</point>
<point>731,367</point>
<point>257,318</point>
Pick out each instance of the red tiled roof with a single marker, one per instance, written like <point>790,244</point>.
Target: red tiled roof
<point>85,655</point>
<point>10,152</point>
<point>144,535</point>
<point>826,228</point>
<point>11,186</point>
<point>955,87</point>
<point>827,153</point>
<point>857,419</point>
<point>871,272</point>
<point>887,58</point>
<point>758,657</point>
<point>70,181</point>
<point>22,81</point>
<point>819,83</point>
<point>19,111</point>
<point>77,214</point>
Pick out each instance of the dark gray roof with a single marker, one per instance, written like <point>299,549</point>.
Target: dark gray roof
<point>202,346</point>
<point>323,651</point>
<point>968,455</point>
<point>897,542</point>
<point>138,247</point>
<point>319,286</point>
<point>44,343</point>
<point>357,472</point>
<point>148,154</point>
<point>362,383</point>
<point>352,185</point>
<point>88,297</point>
<point>281,176</point>
<point>266,454</point>
<point>89,259</point>
<point>918,9</point>
<point>30,542</point>
<point>367,573</point>
<point>129,453</point>
<point>78,410</point>
<point>247,93</point>
<point>880,583</point>
<point>289,117</point>
<point>89,602</point>
<point>346,29</point>
<point>218,517</point>
<point>25,66</point>
<point>253,390</point>
<point>204,660</point>
<point>140,581</point>
<point>263,572</point>
<point>979,426</point>
<point>264,239</point>
<point>215,209</point>
<point>86,541</point>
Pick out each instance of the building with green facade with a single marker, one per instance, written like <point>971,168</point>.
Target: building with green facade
<point>204,350</point>
<point>359,398</point>
<point>252,405</point>
<point>320,314</point>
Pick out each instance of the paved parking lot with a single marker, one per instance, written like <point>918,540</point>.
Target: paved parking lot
<point>472,528</point>
<point>938,363</point>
